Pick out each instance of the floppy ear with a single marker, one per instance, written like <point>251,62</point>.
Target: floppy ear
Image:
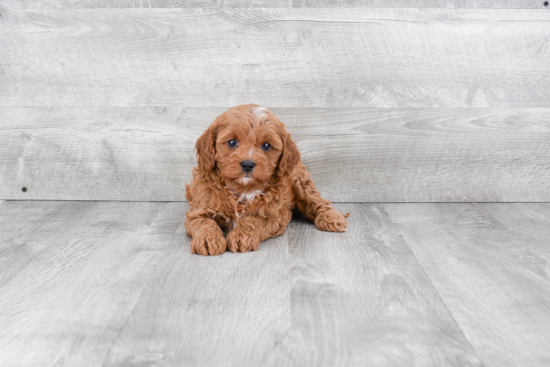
<point>206,148</point>
<point>290,156</point>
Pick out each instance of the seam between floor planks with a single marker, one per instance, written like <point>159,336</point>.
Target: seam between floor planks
<point>457,324</point>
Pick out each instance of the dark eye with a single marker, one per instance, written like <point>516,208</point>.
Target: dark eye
<point>232,143</point>
<point>266,146</point>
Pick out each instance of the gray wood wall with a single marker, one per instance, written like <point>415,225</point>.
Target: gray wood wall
<point>418,101</point>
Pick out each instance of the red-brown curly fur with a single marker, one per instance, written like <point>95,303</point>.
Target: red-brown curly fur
<point>255,206</point>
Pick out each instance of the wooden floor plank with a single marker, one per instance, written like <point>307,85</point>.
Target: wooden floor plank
<point>229,310</point>
<point>67,306</point>
<point>490,264</point>
<point>361,298</point>
<point>27,228</point>
<point>118,286</point>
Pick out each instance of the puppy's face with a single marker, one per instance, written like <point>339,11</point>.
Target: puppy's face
<point>248,145</point>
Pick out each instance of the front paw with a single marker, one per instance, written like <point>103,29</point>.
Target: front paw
<point>237,240</point>
<point>208,242</point>
<point>332,221</point>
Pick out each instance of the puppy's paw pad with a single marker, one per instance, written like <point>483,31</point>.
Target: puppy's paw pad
<point>208,243</point>
<point>239,241</point>
<point>332,221</point>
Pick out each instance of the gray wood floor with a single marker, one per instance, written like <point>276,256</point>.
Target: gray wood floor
<point>114,284</point>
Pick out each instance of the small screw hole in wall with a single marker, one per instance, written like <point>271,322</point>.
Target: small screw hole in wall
<point>24,189</point>
<point>546,3</point>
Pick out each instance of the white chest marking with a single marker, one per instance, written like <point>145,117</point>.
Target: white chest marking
<point>249,196</point>
<point>244,199</point>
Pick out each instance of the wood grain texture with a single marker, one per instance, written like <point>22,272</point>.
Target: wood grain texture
<point>282,57</point>
<point>67,305</point>
<point>354,154</point>
<point>229,310</point>
<point>99,153</point>
<point>117,286</point>
<point>361,298</point>
<point>84,4</point>
<point>490,265</point>
<point>29,227</point>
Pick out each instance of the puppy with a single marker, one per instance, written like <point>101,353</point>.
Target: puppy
<point>248,180</point>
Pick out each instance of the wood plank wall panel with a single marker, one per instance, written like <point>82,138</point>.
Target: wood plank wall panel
<point>386,104</point>
<point>275,57</point>
<point>354,154</point>
<point>84,4</point>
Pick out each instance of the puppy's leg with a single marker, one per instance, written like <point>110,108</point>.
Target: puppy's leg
<point>320,211</point>
<point>207,235</point>
<point>251,230</point>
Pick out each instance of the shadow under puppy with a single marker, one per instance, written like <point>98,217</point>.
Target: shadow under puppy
<point>248,180</point>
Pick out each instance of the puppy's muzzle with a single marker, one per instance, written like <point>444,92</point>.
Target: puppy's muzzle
<point>248,166</point>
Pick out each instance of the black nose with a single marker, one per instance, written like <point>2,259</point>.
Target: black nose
<point>248,166</point>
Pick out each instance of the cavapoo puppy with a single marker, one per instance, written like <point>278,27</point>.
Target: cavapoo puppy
<point>248,180</point>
